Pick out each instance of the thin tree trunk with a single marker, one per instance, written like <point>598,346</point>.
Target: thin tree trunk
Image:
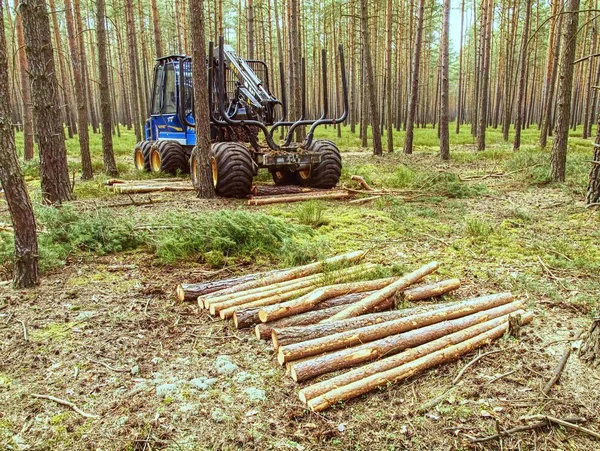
<point>444,104</point>
<point>554,44</point>
<point>388,71</point>
<point>519,118</point>
<point>558,158</point>
<point>486,23</point>
<point>460,69</point>
<point>133,69</point>
<point>47,122</point>
<point>26,271</point>
<point>158,47</point>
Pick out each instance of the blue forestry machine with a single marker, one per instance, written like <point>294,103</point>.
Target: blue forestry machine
<point>241,105</point>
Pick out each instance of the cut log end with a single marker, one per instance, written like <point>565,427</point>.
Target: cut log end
<point>263,316</point>
<point>180,293</point>
<point>281,357</point>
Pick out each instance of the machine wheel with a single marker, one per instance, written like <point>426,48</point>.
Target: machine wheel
<point>233,169</point>
<point>284,177</point>
<point>325,174</point>
<point>169,157</point>
<point>141,156</point>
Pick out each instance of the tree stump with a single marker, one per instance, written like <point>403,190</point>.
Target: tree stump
<point>514,325</point>
<point>590,348</point>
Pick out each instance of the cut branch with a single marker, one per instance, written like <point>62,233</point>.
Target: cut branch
<point>297,198</point>
<point>66,403</point>
<point>431,290</point>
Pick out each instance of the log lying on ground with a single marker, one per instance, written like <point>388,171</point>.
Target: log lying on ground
<point>271,190</point>
<point>307,302</point>
<point>191,291</point>
<point>341,340</point>
<point>361,307</point>
<point>259,303</point>
<point>217,303</point>
<point>347,358</point>
<point>150,188</point>
<point>460,345</point>
<point>297,198</point>
<point>431,290</point>
<point>321,311</point>
<point>282,336</point>
<point>361,181</point>
<point>292,273</point>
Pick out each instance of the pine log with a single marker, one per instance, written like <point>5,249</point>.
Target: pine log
<point>215,304</point>
<point>282,336</point>
<point>431,290</point>
<point>297,198</point>
<point>341,340</point>
<point>191,291</point>
<point>406,364</point>
<point>361,307</point>
<point>227,313</point>
<point>364,200</point>
<point>357,355</point>
<point>321,311</point>
<point>307,302</point>
<point>273,190</point>
<point>293,273</point>
<point>361,181</point>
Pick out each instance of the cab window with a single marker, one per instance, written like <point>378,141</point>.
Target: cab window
<point>169,103</point>
<point>158,84</point>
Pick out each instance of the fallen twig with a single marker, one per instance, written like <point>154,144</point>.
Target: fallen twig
<point>361,181</point>
<point>64,402</point>
<point>474,361</point>
<point>560,367</point>
<point>569,423</point>
<point>437,400</point>
<point>108,367</point>
<point>364,199</point>
<point>25,337</point>
<point>529,427</point>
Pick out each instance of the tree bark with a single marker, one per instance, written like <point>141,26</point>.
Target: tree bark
<point>558,158</point>
<point>133,70</point>
<point>357,355</point>
<point>390,290</point>
<point>444,103</point>
<point>47,122</point>
<point>158,47</point>
<point>341,340</point>
<point>191,291</point>
<point>228,312</point>
<point>201,155</point>
<point>414,83</point>
<point>431,290</point>
<point>554,45</point>
<point>401,366</point>
<point>590,348</point>
<point>26,268</point>
<point>307,302</point>
<point>110,166</point>
<point>388,70</point>
<point>519,119</point>
<point>25,88</point>
<point>482,107</point>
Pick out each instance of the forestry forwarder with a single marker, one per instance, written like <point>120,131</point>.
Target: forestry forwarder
<point>240,105</point>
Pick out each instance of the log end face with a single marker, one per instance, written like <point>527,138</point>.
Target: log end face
<point>281,356</point>
<point>256,328</point>
<point>180,293</point>
<point>263,315</point>
<point>302,397</point>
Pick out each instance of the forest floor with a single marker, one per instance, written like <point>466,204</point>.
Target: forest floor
<point>103,329</point>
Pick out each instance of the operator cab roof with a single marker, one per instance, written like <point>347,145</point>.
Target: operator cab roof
<point>172,57</point>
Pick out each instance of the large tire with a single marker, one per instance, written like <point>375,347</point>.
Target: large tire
<point>141,156</point>
<point>233,169</point>
<point>327,173</point>
<point>169,157</point>
<point>284,177</point>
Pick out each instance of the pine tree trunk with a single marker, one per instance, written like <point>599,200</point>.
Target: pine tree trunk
<point>593,191</point>
<point>47,122</point>
<point>444,103</point>
<point>158,47</point>
<point>555,45</point>
<point>25,88</point>
<point>459,116</point>
<point>414,84</point>
<point>486,24</point>
<point>110,166</point>
<point>202,151</point>
<point>519,119</point>
<point>558,158</point>
<point>133,69</point>
<point>388,71</point>
<point>26,272</point>
<point>251,45</point>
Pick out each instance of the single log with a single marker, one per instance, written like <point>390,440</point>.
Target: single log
<point>258,293</point>
<point>285,335</point>
<point>292,273</point>
<point>341,340</point>
<point>361,307</point>
<point>426,360</point>
<point>297,198</point>
<point>321,311</point>
<point>361,181</point>
<point>431,290</point>
<point>271,190</point>
<point>347,358</point>
<point>251,314</point>
<point>364,200</point>
<point>191,291</point>
<point>307,302</point>
<point>227,313</point>
<point>404,357</point>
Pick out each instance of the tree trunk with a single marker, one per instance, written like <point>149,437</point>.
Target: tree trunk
<point>593,190</point>
<point>414,83</point>
<point>444,103</point>
<point>486,31</point>
<point>251,45</point>
<point>48,128</point>
<point>25,88</point>
<point>354,337</point>
<point>590,348</point>
<point>388,70</point>
<point>519,119</point>
<point>26,271</point>
<point>133,72</point>
<point>158,47</point>
<point>401,366</point>
<point>110,166</point>
<point>558,158</point>
<point>554,45</point>
<point>367,352</point>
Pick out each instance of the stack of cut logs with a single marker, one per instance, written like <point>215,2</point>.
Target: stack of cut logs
<point>320,321</point>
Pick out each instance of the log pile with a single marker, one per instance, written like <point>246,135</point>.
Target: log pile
<point>321,320</point>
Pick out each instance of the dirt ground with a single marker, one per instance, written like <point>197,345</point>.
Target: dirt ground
<point>107,334</point>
